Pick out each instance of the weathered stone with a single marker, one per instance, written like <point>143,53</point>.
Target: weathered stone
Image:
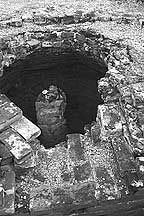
<point>5,155</point>
<point>57,44</point>
<point>9,112</point>
<point>124,158</point>
<point>84,193</point>
<point>33,43</point>
<point>15,143</point>
<point>75,148</point>
<point>53,133</point>
<point>82,172</point>
<point>80,38</point>
<point>16,22</point>
<point>28,17</point>
<point>105,88</point>
<point>95,131</point>
<point>140,161</point>
<point>39,19</point>
<point>50,108</point>
<point>110,119</point>
<point>115,77</point>
<point>7,191</point>
<point>26,129</point>
<point>29,161</point>
<point>47,44</point>
<point>140,114</point>
<point>66,20</point>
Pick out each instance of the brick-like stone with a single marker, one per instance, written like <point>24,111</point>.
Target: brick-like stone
<point>33,43</point>
<point>75,148</point>
<point>26,129</point>
<point>5,155</point>
<point>15,143</point>
<point>7,190</point>
<point>124,157</point>
<point>16,22</point>
<point>106,187</point>
<point>110,119</point>
<point>135,90</point>
<point>47,44</point>
<point>28,161</point>
<point>9,112</point>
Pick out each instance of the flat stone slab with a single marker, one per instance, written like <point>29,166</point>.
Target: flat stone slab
<point>7,192</point>
<point>9,112</point>
<point>15,143</point>
<point>26,129</point>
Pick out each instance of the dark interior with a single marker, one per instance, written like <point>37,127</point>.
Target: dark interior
<point>75,73</point>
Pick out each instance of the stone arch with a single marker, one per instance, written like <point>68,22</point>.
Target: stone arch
<point>31,57</point>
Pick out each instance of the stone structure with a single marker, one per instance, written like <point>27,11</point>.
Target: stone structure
<point>16,135</point>
<point>50,108</point>
<point>100,172</point>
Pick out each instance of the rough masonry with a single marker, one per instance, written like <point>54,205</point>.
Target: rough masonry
<point>100,171</point>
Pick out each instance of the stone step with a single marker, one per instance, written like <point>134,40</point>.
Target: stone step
<point>9,112</point>
<point>26,129</point>
<point>15,143</point>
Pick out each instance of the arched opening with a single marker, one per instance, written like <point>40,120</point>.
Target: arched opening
<point>75,73</point>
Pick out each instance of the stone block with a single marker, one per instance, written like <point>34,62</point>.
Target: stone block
<point>66,20</point>
<point>110,119</point>
<point>124,157</point>
<point>135,90</point>
<point>5,155</point>
<point>33,43</point>
<point>84,193</point>
<point>16,22</point>
<point>7,193</point>
<point>140,114</point>
<point>95,131</point>
<point>28,161</point>
<point>140,162</point>
<point>26,129</point>
<point>15,143</point>
<point>75,148</point>
<point>115,77</point>
<point>48,116</point>
<point>57,44</point>
<point>107,185</point>
<point>67,34</point>
<point>9,112</point>
<point>47,44</point>
<point>39,19</point>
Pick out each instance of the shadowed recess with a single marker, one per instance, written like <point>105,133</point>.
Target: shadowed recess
<point>75,73</point>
